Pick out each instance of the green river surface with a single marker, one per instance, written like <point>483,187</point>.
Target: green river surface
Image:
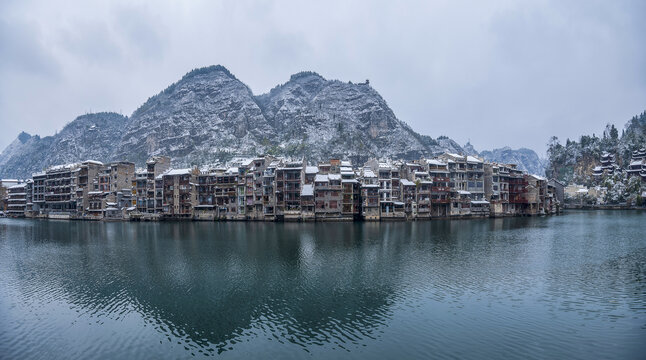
<point>562,287</point>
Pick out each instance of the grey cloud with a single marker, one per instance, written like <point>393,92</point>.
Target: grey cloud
<point>141,31</point>
<point>91,42</point>
<point>22,49</point>
<point>497,72</point>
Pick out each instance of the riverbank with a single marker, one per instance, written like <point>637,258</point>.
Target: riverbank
<point>278,218</point>
<point>602,207</point>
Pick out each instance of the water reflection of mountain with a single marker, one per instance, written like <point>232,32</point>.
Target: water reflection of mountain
<point>212,283</point>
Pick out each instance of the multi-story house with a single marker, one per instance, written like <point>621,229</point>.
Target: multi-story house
<point>351,192</point>
<point>534,194</point>
<point>475,178</point>
<point>258,170</point>
<point>38,194</point>
<point>496,186</point>
<point>308,211</point>
<point>139,191</point>
<point>219,193</point>
<point>395,177</point>
<point>369,195</point>
<point>289,178</point>
<point>440,190</point>
<point>155,167</point>
<point>86,173</point>
<point>408,195</point>
<point>269,190</point>
<point>206,207</point>
<point>328,196</point>
<point>61,190</point>
<point>17,200</point>
<point>179,194</point>
<point>29,198</point>
<point>518,202</point>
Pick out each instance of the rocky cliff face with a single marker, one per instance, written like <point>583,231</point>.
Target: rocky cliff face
<point>318,118</point>
<point>209,115</point>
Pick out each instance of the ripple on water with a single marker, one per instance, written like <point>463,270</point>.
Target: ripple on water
<point>515,288</point>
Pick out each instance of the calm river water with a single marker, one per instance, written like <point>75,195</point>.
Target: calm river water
<point>570,286</point>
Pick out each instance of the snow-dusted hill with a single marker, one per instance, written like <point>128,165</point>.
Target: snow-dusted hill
<point>90,136</point>
<point>209,115</point>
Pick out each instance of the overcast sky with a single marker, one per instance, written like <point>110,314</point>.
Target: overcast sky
<point>495,72</point>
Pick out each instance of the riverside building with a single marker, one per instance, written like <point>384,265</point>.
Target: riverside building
<point>278,189</point>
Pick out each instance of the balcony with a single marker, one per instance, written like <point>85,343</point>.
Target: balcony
<point>441,179</point>
<point>440,189</point>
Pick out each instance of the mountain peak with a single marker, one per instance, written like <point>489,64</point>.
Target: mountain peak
<point>305,74</point>
<point>208,70</point>
<point>23,137</point>
<point>209,115</point>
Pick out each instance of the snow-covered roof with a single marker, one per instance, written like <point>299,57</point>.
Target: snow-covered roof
<point>173,172</point>
<point>311,169</point>
<point>95,192</point>
<point>334,176</point>
<point>479,202</point>
<point>635,162</point>
<point>321,178</point>
<point>538,177</point>
<point>369,174</point>
<point>369,185</point>
<point>246,162</point>
<point>346,163</point>
<point>421,173</point>
<point>349,181</point>
<point>399,203</point>
<point>93,162</point>
<point>62,167</point>
<point>436,162</point>
<point>132,208</point>
<point>307,190</point>
<point>473,159</point>
<point>406,182</point>
<point>42,173</point>
<point>582,191</point>
<point>19,186</point>
<point>463,192</point>
<point>111,203</point>
<point>345,168</point>
<point>232,170</point>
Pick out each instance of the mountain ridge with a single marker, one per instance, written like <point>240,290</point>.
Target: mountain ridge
<point>209,116</point>
<point>526,159</point>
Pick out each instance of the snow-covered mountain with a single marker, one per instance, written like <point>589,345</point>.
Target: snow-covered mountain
<point>90,136</point>
<point>526,159</point>
<point>209,115</point>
